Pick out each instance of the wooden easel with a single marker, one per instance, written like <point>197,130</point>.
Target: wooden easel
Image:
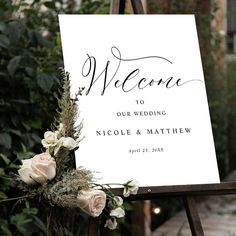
<point>186,192</point>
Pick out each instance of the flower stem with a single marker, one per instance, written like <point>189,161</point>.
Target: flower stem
<point>17,198</point>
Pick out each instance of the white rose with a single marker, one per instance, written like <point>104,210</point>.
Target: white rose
<point>92,201</point>
<point>39,169</point>
<point>131,187</point>
<point>115,202</point>
<point>50,139</point>
<point>111,223</point>
<point>68,142</point>
<point>26,173</point>
<point>118,212</point>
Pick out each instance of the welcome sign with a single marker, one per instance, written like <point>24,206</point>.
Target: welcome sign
<point>144,105</point>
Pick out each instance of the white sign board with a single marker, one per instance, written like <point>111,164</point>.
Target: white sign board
<point>144,105</point>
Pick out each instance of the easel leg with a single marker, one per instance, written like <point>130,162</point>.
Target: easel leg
<point>137,6</point>
<point>117,7</point>
<point>193,217</point>
<point>93,226</point>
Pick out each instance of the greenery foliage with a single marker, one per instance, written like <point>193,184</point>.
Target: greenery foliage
<point>29,84</point>
<point>30,55</point>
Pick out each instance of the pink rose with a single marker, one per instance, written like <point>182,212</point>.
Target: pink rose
<point>39,169</point>
<point>92,201</point>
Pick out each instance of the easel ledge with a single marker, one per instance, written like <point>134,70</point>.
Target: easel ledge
<point>152,192</point>
<point>186,192</point>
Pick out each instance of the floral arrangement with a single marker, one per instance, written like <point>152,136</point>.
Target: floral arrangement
<point>51,174</point>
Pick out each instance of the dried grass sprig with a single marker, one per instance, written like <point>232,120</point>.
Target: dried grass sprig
<point>64,192</point>
<point>69,109</point>
<point>68,115</point>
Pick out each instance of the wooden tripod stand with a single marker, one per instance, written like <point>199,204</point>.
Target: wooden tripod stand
<point>186,192</point>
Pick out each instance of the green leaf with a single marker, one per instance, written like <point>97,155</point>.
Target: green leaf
<point>29,71</point>
<point>4,228</point>
<point>50,5</point>
<point>128,206</point>
<point>45,81</point>
<point>3,195</point>
<point>3,74</point>
<point>26,125</point>
<point>4,41</point>
<point>36,124</point>
<point>20,221</point>
<point>16,132</point>
<point>5,159</point>
<point>2,172</point>
<point>20,101</point>
<point>13,166</point>
<point>13,64</point>
<point>40,224</point>
<point>14,31</point>
<point>15,120</point>
<point>5,140</point>
<point>2,26</point>
<point>36,138</point>
<point>30,211</point>
<point>42,41</point>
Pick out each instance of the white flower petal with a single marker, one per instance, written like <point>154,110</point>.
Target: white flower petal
<point>118,212</point>
<point>25,175</point>
<point>50,139</point>
<point>68,142</point>
<point>131,187</point>
<point>115,202</point>
<point>111,223</point>
<point>126,192</point>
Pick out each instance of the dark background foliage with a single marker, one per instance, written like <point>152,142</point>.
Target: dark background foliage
<point>30,55</point>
